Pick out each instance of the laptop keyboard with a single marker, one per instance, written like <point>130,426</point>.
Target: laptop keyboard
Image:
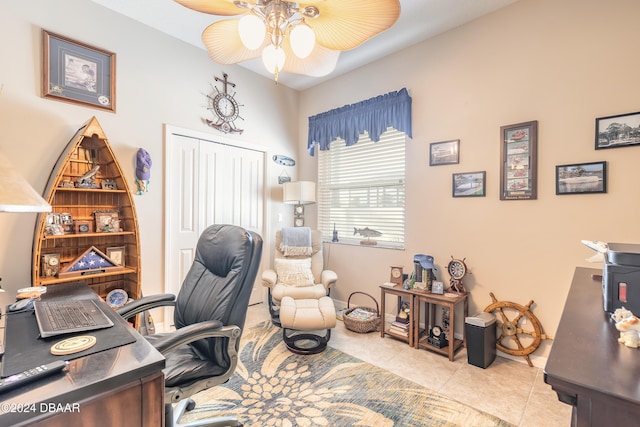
<point>71,314</point>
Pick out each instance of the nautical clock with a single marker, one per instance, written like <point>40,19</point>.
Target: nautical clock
<point>437,337</point>
<point>396,275</point>
<point>225,106</point>
<point>457,270</point>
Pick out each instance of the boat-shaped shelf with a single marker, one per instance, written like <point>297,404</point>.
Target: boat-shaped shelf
<point>91,207</point>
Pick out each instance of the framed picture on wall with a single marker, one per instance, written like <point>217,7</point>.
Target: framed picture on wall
<point>581,178</point>
<point>444,153</point>
<point>618,131</point>
<point>469,184</point>
<point>78,73</point>
<point>518,166</point>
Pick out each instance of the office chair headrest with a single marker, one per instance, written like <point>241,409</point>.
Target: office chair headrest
<point>222,248</point>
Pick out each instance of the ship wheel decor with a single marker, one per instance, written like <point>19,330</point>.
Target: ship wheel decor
<point>225,107</point>
<point>512,319</point>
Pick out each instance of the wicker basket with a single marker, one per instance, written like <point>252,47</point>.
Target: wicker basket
<point>359,325</point>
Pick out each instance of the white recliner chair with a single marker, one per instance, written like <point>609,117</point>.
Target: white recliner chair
<point>296,274</point>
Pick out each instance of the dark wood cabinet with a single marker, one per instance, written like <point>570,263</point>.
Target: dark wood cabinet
<point>587,367</point>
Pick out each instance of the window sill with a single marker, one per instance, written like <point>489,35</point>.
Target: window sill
<point>379,245</point>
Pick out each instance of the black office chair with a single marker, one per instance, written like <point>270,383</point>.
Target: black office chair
<point>209,316</point>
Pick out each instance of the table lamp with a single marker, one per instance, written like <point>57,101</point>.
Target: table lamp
<point>299,193</point>
<point>16,194</point>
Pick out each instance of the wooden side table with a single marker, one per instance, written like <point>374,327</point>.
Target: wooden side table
<point>397,290</point>
<point>432,300</point>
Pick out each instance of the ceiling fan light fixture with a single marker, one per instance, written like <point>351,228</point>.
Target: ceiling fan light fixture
<point>303,40</point>
<point>273,58</point>
<point>252,31</point>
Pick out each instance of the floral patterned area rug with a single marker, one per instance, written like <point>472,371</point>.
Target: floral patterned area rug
<point>274,387</point>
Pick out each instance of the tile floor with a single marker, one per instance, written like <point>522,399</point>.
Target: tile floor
<point>507,389</point>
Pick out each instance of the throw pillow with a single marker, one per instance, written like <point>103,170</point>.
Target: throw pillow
<point>294,272</point>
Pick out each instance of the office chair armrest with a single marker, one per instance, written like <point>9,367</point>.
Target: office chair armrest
<point>146,303</point>
<point>232,332</point>
<point>195,332</point>
<point>269,278</point>
<point>328,278</point>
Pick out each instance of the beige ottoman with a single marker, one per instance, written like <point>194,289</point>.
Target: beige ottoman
<point>315,316</point>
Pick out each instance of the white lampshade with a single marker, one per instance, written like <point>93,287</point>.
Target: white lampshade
<point>299,193</point>
<point>273,58</point>
<point>303,39</point>
<point>16,194</point>
<point>252,31</point>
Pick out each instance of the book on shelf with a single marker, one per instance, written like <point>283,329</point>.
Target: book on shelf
<point>398,331</point>
<point>417,271</point>
<point>402,319</point>
<point>399,325</point>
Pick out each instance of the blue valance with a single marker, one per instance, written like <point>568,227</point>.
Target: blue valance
<point>374,115</point>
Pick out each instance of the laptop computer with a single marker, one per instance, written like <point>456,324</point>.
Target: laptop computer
<point>69,316</point>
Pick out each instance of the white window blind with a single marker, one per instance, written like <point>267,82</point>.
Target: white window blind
<point>363,186</point>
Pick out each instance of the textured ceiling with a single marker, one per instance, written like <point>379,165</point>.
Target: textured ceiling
<point>419,20</point>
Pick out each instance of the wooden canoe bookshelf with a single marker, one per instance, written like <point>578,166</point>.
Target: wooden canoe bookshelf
<point>78,207</point>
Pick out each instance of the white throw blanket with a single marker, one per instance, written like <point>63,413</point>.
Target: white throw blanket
<point>296,241</point>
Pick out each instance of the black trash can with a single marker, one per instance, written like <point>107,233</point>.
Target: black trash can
<point>481,339</point>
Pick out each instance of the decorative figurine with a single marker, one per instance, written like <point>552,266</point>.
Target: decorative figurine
<point>368,233</point>
<point>283,160</point>
<point>629,327</point>
<point>409,281</point>
<point>88,179</point>
<point>621,313</point>
<point>335,234</point>
<point>143,170</point>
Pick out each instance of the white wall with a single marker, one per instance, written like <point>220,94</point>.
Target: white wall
<point>160,81</point>
<point>563,63</point>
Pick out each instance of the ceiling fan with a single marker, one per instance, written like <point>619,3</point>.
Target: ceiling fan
<point>300,38</point>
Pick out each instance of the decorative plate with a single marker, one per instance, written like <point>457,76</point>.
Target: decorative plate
<point>117,298</point>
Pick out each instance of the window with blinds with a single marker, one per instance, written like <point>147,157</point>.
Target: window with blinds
<point>363,186</point>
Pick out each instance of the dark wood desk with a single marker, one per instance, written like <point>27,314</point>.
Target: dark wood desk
<point>123,386</point>
<point>5,300</point>
<point>587,367</point>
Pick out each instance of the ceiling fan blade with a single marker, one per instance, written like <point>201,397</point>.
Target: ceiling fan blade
<point>223,43</point>
<point>320,62</point>
<point>214,7</point>
<point>343,25</point>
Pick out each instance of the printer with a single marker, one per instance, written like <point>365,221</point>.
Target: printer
<point>621,277</point>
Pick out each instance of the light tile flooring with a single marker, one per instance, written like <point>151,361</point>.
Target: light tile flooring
<point>507,389</point>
